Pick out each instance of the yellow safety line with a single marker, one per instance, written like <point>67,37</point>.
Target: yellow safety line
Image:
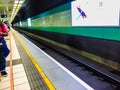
<point>45,78</point>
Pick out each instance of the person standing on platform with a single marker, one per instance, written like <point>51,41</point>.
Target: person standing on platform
<point>4,51</point>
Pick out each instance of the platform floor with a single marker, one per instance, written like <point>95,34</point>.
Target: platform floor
<point>20,80</point>
<point>33,69</point>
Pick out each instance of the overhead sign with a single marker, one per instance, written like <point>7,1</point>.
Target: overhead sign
<point>95,13</point>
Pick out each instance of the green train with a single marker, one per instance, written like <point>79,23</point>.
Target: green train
<point>96,38</point>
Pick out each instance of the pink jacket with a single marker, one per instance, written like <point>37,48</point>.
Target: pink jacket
<point>4,29</point>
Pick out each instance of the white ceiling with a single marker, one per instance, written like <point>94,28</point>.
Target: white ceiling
<point>10,7</point>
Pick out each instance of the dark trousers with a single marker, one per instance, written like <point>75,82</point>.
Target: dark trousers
<point>4,52</point>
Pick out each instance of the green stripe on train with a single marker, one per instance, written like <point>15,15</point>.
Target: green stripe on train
<point>110,33</point>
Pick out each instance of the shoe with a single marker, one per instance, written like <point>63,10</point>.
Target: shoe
<point>4,73</point>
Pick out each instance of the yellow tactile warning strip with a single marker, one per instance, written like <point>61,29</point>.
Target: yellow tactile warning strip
<point>45,78</point>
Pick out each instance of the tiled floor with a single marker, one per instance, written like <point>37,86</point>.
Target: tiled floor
<point>19,76</point>
<point>20,79</point>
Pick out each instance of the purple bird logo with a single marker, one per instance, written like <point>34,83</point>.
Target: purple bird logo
<point>82,13</point>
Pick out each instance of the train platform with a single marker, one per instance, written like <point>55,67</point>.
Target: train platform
<point>30,68</point>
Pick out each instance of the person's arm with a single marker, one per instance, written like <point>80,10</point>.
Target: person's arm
<point>3,34</point>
